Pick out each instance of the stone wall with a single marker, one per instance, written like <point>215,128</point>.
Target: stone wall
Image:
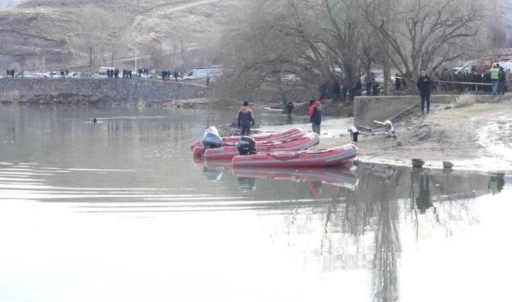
<point>122,90</point>
<point>381,108</point>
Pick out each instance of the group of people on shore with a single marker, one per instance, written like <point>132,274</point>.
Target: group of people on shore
<point>496,75</point>
<point>464,81</point>
<point>114,73</point>
<point>10,73</point>
<point>348,90</point>
<point>245,119</point>
<point>425,85</point>
<point>167,74</point>
<point>64,72</point>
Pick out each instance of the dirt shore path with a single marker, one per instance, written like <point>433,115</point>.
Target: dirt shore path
<point>472,137</point>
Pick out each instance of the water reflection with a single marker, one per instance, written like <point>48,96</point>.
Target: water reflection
<point>423,201</point>
<point>367,205</point>
<point>289,118</point>
<point>213,174</point>
<point>246,184</point>
<point>496,183</point>
<point>315,188</point>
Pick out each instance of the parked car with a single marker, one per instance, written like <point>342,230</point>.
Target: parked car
<point>507,65</point>
<point>52,74</point>
<point>202,72</point>
<point>454,69</point>
<point>80,74</point>
<point>31,74</point>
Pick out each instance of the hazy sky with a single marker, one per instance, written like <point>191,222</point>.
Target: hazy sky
<point>5,3</point>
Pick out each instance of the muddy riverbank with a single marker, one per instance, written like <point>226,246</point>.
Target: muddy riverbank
<point>471,136</point>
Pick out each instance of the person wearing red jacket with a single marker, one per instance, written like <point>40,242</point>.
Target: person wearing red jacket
<point>245,119</point>
<point>315,115</point>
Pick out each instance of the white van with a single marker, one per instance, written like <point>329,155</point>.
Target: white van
<point>202,72</point>
<point>102,73</point>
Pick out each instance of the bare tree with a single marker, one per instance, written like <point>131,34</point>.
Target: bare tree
<point>101,34</point>
<point>91,20</point>
<point>313,39</point>
<point>257,44</point>
<point>154,52</point>
<point>116,37</point>
<point>423,35</point>
<point>345,34</point>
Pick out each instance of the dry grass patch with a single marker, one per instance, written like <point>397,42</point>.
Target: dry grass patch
<point>12,95</point>
<point>465,100</point>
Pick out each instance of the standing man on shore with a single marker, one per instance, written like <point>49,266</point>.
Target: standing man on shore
<point>315,115</point>
<point>424,86</point>
<point>245,119</point>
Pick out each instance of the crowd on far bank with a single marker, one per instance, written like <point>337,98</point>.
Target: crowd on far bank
<point>10,73</point>
<point>444,80</point>
<point>346,90</point>
<point>473,80</point>
<point>111,73</point>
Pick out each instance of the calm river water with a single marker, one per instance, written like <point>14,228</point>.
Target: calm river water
<point>119,211</point>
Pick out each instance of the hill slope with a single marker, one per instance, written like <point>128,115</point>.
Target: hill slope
<point>46,28</point>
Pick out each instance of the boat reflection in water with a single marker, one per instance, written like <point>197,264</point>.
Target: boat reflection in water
<point>246,184</point>
<point>315,177</point>
<point>214,170</point>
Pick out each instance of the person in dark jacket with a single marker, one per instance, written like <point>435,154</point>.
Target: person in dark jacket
<point>398,81</point>
<point>245,119</point>
<point>289,108</point>
<point>359,87</point>
<point>424,86</point>
<point>369,80</point>
<point>335,91</point>
<point>502,80</point>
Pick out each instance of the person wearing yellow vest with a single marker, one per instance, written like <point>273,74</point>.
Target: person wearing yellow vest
<point>495,78</point>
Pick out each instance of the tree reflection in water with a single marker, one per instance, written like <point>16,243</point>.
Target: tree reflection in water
<point>378,205</point>
<point>361,219</point>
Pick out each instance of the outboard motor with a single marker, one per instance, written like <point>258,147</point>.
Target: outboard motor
<point>211,138</point>
<point>246,145</point>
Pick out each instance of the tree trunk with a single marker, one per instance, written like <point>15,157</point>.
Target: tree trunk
<point>387,74</point>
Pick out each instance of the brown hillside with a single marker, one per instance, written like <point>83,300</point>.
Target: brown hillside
<point>46,28</point>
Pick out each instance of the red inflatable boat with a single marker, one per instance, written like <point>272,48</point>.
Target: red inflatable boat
<point>300,141</point>
<point>199,150</point>
<point>309,158</point>
<point>231,140</point>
